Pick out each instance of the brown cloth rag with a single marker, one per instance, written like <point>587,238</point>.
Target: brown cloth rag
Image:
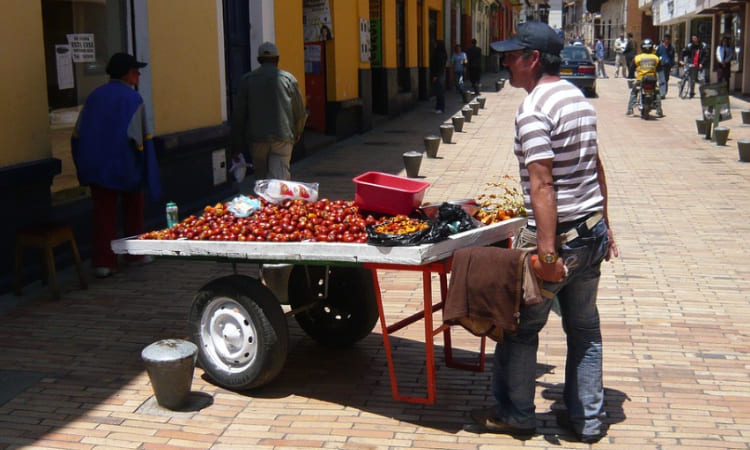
<point>486,289</point>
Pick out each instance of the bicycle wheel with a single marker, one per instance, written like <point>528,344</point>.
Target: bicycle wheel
<point>684,86</point>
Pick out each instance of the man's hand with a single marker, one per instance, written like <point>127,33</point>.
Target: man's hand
<point>553,273</point>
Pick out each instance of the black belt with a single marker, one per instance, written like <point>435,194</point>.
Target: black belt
<point>569,231</point>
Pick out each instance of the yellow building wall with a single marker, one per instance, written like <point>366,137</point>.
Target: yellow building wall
<point>184,45</point>
<point>287,16</point>
<point>23,110</point>
<point>342,52</point>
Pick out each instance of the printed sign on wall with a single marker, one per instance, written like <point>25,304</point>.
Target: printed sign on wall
<point>364,40</point>
<point>82,46</point>
<point>317,21</point>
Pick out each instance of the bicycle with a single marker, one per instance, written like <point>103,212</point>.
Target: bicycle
<point>683,85</point>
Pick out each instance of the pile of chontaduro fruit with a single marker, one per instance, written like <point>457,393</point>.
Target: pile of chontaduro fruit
<point>291,221</point>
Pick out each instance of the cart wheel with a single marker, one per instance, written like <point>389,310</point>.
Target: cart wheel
<point>346,315</point>
<point>241,332</point>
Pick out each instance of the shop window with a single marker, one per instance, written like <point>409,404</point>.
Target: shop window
<point>79,38</point>
<point>730,25</point>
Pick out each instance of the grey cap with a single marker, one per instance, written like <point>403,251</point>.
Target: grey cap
<point>533,35</point>
<point>268,49</point>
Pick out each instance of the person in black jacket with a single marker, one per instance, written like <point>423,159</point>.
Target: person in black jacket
<point>438,59</point>
<point>629,54</point>
<point>474,54</point>
<point>695,56</point>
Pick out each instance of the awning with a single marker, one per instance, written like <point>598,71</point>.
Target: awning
<point>722,7</point>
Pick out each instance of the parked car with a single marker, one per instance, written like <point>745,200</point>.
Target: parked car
<point>578,67</point>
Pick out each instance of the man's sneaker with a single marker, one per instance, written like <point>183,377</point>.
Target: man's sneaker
<point>103,272</point>
<point>660,114</point>
<point>629,113</point>
<point>564,421</point>
<point>438,111</point>
<point>489,422</point>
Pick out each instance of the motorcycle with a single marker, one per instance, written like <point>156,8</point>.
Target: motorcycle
<point>647,96</point>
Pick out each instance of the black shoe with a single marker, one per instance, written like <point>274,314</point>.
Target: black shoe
<point>487,420</point>
<point>564,421</point>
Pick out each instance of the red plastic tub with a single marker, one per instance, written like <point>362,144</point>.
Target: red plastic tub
<point>388,194</point>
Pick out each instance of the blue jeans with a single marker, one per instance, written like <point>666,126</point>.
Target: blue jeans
<point>514,369</point>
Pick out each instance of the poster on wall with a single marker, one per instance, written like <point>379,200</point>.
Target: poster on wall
<point>317,21</point>
<point>82,46</point>
<point>364,40</point>
<point>376,54</point>
<point>64,64</point>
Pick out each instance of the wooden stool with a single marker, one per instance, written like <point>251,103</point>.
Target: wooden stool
<point>46,236</point>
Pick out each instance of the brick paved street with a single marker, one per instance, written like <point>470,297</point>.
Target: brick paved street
<point>674,310</point>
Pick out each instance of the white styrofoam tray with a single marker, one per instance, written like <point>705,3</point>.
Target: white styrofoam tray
<point>333,252</point>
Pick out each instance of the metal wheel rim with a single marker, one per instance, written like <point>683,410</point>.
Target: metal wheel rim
<point>228,335</point>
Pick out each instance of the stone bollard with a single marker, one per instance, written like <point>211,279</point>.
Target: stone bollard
<point>446,132</point>
<point>474,107</point>
<point>458,123</point>
<point>412,161</point>
<point>170,364</point>
<point>743,145</point>
<point>431,144</point>
<point>466,96</point>
<point>482,100</point>
<point>467,111</point>
<point>746,117</point>
<point>721,134</point>
<point>498,85</point>
<point>701,124</point>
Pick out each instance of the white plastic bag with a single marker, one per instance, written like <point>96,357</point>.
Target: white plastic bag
<point>239,167</point>
<point>276,191</point>
<point>242,206</point>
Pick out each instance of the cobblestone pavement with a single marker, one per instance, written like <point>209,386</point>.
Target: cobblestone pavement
<point>674,310</point>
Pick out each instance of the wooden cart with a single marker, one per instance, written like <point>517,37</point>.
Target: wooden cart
<point>240,327</point>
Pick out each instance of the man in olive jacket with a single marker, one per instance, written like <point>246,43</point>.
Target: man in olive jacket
<point>269,116</point>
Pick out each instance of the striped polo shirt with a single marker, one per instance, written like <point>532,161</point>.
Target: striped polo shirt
<point>556,122</point>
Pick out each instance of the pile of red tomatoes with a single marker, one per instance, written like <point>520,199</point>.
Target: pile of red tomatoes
<point>291,221</point>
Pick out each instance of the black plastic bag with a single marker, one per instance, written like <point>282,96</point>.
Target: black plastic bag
<point>451,219</point>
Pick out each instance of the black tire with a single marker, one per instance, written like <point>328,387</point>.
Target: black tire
<point>684,86</point>
<point>346,315</point>
<point>241,332</point>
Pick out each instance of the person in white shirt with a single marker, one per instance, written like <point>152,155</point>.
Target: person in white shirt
<point>620,44</point>
<point>724,57</point>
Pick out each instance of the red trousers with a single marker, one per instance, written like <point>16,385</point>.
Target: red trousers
<point>105,221</point>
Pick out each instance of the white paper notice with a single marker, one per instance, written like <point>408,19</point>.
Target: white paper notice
<point>82,45</point>
<point>65,78</point>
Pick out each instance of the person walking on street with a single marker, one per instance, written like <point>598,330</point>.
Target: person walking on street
<point>458,62</point>
<point>599,52</point>
<point>565,195</point>
<point>269,116</point>
<point>665,52</point>
<point>696,57</point>
<point>438,60</point>
<point>724,57</point>
<point>629,54</point>
<point>474,54</point>
<point>620,44</point>
<point>114,155</point>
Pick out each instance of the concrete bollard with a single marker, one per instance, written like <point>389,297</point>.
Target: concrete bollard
<point>701,124</point>
<point>458,123</point>
<point>466,96</point>
<point>412,161</point>
<point>746,117</point>
<point>474,107</point>
<point>467,112</point>
<point>431,144</point>
<point>743,145</point>
<point>721,134</point>
<point>446,132</point>
<point>170,364</point>
<point>482,100</point>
